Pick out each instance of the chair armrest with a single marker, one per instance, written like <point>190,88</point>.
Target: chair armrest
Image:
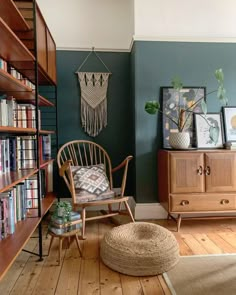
<point>64,167</point>
<point>124,164</point>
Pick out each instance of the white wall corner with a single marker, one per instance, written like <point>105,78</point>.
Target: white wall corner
<point>149,211</point>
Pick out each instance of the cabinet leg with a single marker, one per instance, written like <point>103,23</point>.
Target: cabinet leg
<point>178,222</point>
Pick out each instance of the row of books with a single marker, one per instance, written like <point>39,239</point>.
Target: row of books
<point>20,152</point>
<point>17,115</point>
<point>17,202</point>
<point>16,74</point>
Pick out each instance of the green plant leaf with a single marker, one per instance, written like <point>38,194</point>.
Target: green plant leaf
<point>214,134</point>
<point>219,75</point>
<point>204,106</point>
<point>177,83</point>
<point>151,107</point>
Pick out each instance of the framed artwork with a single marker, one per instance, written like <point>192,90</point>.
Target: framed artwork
<point>172,102</point>
<point>229,114</point>
<point>209,131</point>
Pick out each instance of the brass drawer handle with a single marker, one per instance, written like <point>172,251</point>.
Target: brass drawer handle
<point>224,201</point>
<point>200,170</point>
<point>184,203</point>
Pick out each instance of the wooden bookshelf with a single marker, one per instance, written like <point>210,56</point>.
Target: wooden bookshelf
<point>13,87</point>
<point>13,244</point>
<point>14,49</point>
<point>11,15</point>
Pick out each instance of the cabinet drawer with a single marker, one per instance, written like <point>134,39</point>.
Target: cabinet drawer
<point>203,202</point>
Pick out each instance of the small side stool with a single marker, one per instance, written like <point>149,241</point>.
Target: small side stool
<point>62,236</point>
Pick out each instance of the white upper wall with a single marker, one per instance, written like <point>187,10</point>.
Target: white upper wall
<point>111,24</point>
<point>185,18</point>
<point>82,24</point>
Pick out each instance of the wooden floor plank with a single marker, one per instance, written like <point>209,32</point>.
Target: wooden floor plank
<point>163,284</point>
<point>209,245</point>
<point>48,278</point>
<point>109,281</point>
<point>151,286</point>
<point>229,238</point>
<point>91,244</point>
<point>184,249</point>
<point>131,285</point>
<point>193,244</point>
<point>30,274</point>
<point>68,282</point>
<point>89,277</point>
<point>222,244</point>
<point>9,280</point>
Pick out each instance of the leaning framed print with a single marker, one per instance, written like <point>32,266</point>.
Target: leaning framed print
<point>172,102</point>
<point>229,116</point>
<point>209,131</point>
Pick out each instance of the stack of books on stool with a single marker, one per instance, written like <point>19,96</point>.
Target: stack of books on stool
<point>57,224</point>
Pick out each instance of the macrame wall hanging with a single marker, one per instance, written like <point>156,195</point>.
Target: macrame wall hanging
<point>93,88</point>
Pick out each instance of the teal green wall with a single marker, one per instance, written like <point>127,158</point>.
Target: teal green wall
<point>155,63</point>
<point>136,78</point>
<point>116,137</point>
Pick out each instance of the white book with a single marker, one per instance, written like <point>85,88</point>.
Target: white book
<point>12,111</point>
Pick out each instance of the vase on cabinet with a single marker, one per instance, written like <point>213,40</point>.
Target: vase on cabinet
<point>179,140</point>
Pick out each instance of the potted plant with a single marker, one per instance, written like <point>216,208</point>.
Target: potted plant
<point>181,139</point>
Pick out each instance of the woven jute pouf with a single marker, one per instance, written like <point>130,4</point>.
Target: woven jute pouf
<point>139,249</point>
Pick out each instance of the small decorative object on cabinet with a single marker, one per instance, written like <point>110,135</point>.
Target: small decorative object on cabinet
<point>197,182</point>
<point>25,155</point>
<point>179,113</point>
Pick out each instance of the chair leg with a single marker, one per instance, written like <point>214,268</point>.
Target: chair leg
<point>83,222</point>
<point>78,245</point>
<point>109,208</point>
<point>129,211</point>
<point>60,250</point>
<point>50,245</point>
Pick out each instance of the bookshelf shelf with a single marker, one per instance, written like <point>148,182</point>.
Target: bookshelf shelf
<point>18,52</point>
<point>13,244</point>
<point>46,163</point>
<point>15,130</point>
<point>8,180</point>
<point>13,87</point>
<point>11,15</point>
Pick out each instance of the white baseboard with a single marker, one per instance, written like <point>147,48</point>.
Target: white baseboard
<point>149,211</point>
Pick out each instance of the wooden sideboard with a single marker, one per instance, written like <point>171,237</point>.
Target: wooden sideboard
<point>197,182</point>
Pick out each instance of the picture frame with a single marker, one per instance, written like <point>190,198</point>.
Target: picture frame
<point>204,133</point>
<point>171,102</point>
<point>229,118</point>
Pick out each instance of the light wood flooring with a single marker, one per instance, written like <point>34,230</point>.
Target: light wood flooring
<point>89,275</point>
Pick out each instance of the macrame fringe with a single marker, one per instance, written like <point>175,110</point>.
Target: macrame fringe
<point>93,120</point>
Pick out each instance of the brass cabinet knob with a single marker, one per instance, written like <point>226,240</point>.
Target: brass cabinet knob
<point>200,170</point>
<point>224,201</point>
<point>207,170</point>
<point>184,202</point>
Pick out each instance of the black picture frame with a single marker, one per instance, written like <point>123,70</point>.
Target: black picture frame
<point>229,119</point>
<point>202,123</point>
<point>170,104</point>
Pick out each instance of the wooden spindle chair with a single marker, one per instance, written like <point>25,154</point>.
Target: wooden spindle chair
<point>86,153</point>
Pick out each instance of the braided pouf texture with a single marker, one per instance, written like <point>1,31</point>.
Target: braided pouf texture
<point>139,249</point>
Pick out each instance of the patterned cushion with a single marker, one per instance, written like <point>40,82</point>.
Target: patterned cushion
<point>91,183</point>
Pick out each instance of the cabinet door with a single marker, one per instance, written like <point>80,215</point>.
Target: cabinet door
<point>220,171</point>
<point>186,172</point>
<point>51,54</point>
